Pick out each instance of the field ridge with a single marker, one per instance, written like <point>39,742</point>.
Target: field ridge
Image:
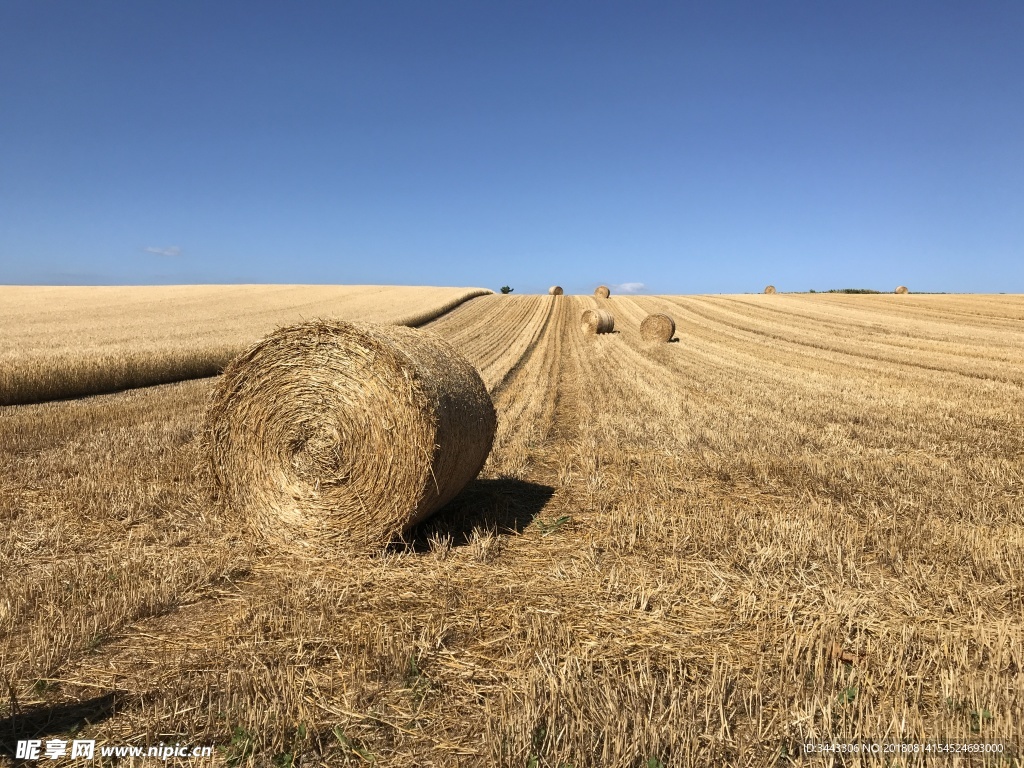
<point>76,343</point>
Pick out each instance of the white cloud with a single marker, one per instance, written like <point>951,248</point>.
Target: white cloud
<point>629,287</point>
<point>171,251</point>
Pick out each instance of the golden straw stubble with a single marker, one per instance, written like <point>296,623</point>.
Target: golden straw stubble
<point>602,292</point>
<point>555,290</point>
<point>657,327</point>
<point>597,321</point>
<point>334,435</point>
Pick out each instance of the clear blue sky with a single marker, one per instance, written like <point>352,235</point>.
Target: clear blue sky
<point>688,147</point>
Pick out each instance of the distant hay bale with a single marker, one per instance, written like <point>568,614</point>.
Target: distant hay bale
<point>902,289</point>
<point>337,435</point>
<point>602,292</point>
<point>769,289</point>
<point>657,327</point>
<point>597,321</point>
<point>555,290</point>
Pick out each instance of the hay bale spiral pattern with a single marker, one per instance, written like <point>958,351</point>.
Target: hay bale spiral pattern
<point>769,289</point>
<point>902,289</point>
<point>596,321</point>
<point>335,435</point>
<point>602,292</point>
<point>555,290</point>
<point>658,327</point>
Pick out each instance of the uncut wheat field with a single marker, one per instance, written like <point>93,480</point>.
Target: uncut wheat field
<point>801,522</point>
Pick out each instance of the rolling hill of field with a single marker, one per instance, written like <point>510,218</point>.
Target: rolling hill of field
<point>58,342</point>
<point>800,522</point>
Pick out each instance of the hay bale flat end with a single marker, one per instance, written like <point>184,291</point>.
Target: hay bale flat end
<point>594,321</point>
<point>333,435</point>
<point>657,327</point>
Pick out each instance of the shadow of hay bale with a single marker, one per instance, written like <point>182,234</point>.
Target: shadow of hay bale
<point>51,719</point>
<point>505,505</point>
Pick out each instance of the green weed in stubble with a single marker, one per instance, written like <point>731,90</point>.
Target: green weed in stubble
<point>978,717</point>
<point>850,691</point>
<point>417,683</point>
<point>287,758</point>
<point>550,526</point>
<point>537,746</point>
<point>241,747</point>
<point>352,746</point>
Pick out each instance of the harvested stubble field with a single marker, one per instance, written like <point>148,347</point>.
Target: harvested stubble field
<point>802,522</point>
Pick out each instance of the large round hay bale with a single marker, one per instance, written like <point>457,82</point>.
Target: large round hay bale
<point>555,290</point>
<point>769,289</point>
<point>902,289</point>
<point>337,435</point>
<point>602,292</point>
<point>658,327</point>
<point>597,321</point>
